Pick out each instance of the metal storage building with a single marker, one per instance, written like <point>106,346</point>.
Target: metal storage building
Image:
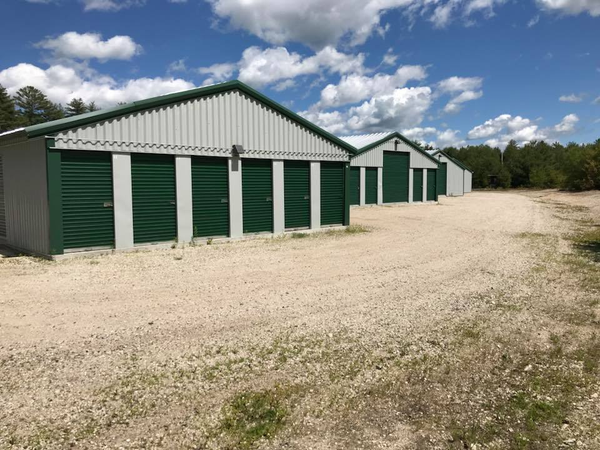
<point>455,178</point>
<point>389,168</point>
<point>217,161</point>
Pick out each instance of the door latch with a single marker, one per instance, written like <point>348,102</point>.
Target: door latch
<point>173,202</point>
<point>224,200</point>
<point>108,204</point>
<point>269,199</point>
<point>307,197</point>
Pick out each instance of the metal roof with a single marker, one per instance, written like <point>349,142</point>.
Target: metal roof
<point>454,160</point>
<point>363,140</point>
<point>57,126</point>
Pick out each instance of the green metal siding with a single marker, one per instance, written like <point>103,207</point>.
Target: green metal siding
<point>87,199</point>
<point>431,184</point>
<point>154,198</point>
<point>395,177</point>
<point>332,193</point>
<point>371,185</point>
<point>442,179</point>
<point>257,195</point>
<point>2,203</point>
<point>417,185</point>
<point>210,196</point>
<point>296,178</point>
<point>355,185</point>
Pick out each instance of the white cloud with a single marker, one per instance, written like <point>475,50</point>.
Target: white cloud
<point>354,88</point>
<point>505,128</point>
<point>443,13</point>
<point>487,6</point>
<point>389,59</point>
<point>402,108</point>
<point>597,101</point>
<point>287,84</point>
<point>61,84</point>
<point>533,22</point>
<point>261,68</point>
<point>462,89</point>
<point>110,5</point>
<point>572,98</point>
<point>434,137</point>
<point>178,1</point>
<point>73,45</point>
<point>571,7</point>
<point>177,66</point>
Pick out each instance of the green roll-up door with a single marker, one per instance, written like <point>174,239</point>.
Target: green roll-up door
<point>417,185</point>
<point>87,199</point>
<point>296,178</point>
<point>257,195</point>
<point>371,185</point>
<point>210,196</point>
<point>2,203</point>
<point>154,198</point>
<point>395,177</point>
<point>431,184</point>
<point>355,185</point>
<point>442,179</point>
<point>332,193</point>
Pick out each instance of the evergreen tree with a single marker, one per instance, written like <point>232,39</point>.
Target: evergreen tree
<point>8,115</point>
<point>91,107</point>
<point>75,107</point>
<point>34,107</point>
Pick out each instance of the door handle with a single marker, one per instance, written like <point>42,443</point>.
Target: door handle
<point>108,204</point>
<point>307,197</point>
<point>224,200</point>
<point>173,202</point>
<point>269,199</point>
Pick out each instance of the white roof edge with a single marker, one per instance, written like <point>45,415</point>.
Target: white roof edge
<point>15,131</point>
<point>362,140</point>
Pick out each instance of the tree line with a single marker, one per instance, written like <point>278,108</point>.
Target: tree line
<point>30,106</point>
<point>533,165</point>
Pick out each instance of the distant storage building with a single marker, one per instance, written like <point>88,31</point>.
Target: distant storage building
<point>218,161</point>
<point>390,168</point>
<point>455,178</point>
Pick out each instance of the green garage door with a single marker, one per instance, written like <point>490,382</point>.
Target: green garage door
<point>2,207</point>
<point>87,199</point>
<point>257,195</point>
<point>431,184</point>
<point>395,177</point>
<point>371,185</point>
<point>332,193</point>
<point>154,198</point>
<point>417,185</point>
<point>210,196</point>
<point>355,185</point>
<point>296,179</point>
<point>442,179</point>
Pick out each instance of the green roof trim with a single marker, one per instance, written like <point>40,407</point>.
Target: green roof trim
<point>454,160</point>
<point>396,135</point>
<point>57,126</point>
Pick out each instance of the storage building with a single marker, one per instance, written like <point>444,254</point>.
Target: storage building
<point>389,168</point>
<point>218,161</point>
<point>455,178</point>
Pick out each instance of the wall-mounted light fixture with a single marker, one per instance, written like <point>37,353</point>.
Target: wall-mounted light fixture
<point>238,150</point>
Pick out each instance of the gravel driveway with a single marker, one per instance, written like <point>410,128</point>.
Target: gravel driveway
<point>73,330</point>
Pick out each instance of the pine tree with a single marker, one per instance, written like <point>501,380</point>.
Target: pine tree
<point>75,107</point>
<point>91,107</point>
<point>34,107</point>
<point>8,115</point>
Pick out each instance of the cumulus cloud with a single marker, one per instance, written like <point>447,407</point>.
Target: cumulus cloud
<point>73,45</point>
<point>533,22</point>
<point>462,90</point>
<point>402,108</point>
<point>262,67</point>
<point>434,137</point>
<point>572,98</point>
<point>110,5</point>
<point>505,128</point>
<point>62,84</point>
<point>571,7</point>
<point>597,101</point>
<point>354,88</point>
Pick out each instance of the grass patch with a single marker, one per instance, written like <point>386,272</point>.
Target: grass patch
<point>253,416</point>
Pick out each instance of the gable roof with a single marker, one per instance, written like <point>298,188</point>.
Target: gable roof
<point>371,141</point>
<point>454,160</point>
<point>57,126</point>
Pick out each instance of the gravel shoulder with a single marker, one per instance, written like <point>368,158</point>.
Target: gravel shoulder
<point>154,349</point>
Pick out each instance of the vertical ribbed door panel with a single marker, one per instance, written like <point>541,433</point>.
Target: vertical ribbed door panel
<point>210,196</point>
<point>431,184</point>
<point>396,166</point>
<point>296,178</point>
<point>417,185</point>
<point>371,185</point>
<point>355,185</point>
<point>257,195</point>
<point>332,193</point>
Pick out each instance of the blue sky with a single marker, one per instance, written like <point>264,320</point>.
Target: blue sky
<point>446,72</point>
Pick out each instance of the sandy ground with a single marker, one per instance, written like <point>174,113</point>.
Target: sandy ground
<point>71,328</point>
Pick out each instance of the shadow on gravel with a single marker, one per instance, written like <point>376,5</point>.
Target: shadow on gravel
<point>589,243</point>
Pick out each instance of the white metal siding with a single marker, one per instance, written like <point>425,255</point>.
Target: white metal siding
<point>455,184</point>
<point>468,182</point>
<point>206,126</point>
<point>2,206</point>
<point>374,157</point>
<point>26,196</point>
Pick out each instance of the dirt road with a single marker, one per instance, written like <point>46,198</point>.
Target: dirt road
<point>193,348</point>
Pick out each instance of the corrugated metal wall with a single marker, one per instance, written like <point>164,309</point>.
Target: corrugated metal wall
<point>26,196</point>
<point>374,157</point>
<point>206,126</point>
<point>468,182</point>
<point>2,206</point>
<point>456,182</point>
